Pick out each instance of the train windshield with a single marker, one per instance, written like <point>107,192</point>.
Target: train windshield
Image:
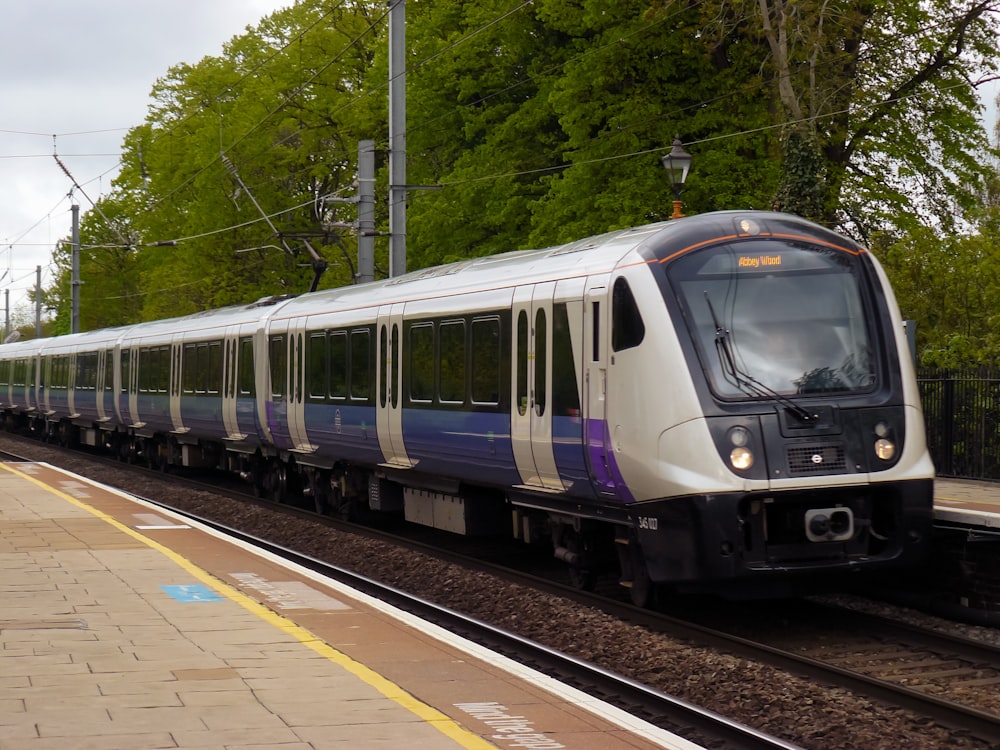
<point>776,316</point>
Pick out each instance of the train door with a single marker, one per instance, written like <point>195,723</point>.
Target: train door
<point>70,363</point>
<point>269,348</point>
<point>596,432</point>
<point>45,384</point>
<point>30,380</point>
<point>389,403</point>
<point>101,387</point>
<point>132,387</point>
<point>176,387</point>
<point>230,382</point>
<point>37,384</point>
<point>531,382</point>
<point>297,385</point>
<point>119,385</point>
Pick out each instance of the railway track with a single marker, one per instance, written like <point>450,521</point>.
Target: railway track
<point>948,680</point>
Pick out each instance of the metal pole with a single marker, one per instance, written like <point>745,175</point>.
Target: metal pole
<point>75,281</point>
<point>397,137</point>
<point>366,211</point>
<point>38,302</point>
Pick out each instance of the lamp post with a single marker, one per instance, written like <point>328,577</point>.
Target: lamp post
<point>678,164</point>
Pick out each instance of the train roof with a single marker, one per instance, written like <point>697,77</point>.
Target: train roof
<point>592,255</point>
<point>600,254</point>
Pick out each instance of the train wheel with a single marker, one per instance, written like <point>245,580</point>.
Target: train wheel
<point>119,447</point>
<point>168,455</point>
<point>258,482</point>
<point>277,481</point>
<point>641,588</point>
<point>319,488</point>
<point>580,574</point>
<point>640,592</point>
<point>151,452</point>
<point>635,574</point>
<point>585,580</point>
<point>62,437</point>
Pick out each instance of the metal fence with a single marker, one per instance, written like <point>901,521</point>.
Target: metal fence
<point>962,411</point>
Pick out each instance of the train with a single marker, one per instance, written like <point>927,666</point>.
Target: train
<point>723,402</point>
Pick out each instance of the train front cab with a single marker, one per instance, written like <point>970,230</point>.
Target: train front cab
<point>809,454</point>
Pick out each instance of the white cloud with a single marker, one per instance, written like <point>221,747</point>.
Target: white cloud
<point>83,72</point>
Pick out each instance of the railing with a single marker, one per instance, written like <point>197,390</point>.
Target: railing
<point>962,411</point>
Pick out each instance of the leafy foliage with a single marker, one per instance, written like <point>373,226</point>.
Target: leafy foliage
<point>541,122</point>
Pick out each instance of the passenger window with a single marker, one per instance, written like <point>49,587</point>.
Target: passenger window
<point>201,385</point>
<point>383,359</point>
<point>565,387</point>
<point>541,361</point>
<point>246,373</point>
<point>143,365</point>
<point>214,367</point>
<point>422,362</point>
<point>486,361</point>
<point>279,367</point>
<point>394,376</point>
<point>522,363</point>
<point>360,365</point>
<point>316,366</point>
<point>627,329</point>
<point>109,370</point>
<point>452,361</point>
<point>126,367</point>
<point>338,364</point>
<point>595,316</point>
<point>300,367</point>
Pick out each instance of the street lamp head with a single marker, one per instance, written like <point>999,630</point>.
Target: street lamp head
<point>677,163</point>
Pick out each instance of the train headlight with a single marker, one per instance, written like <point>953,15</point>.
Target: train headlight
<point>882,430</point>
<point>885,449</point>
<point>739,436</point>
<point>741,458</point>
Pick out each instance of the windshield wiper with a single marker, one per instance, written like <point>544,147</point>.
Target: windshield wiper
<point>744,380</point>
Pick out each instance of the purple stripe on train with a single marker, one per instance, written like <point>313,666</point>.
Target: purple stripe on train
<point>603,465</point>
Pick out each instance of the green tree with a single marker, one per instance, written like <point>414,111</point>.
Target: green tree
<point>266,123</point>
<point>949,284</point>
<point>884,91</point>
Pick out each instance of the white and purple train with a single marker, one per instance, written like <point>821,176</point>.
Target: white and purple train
<point>724,401</point>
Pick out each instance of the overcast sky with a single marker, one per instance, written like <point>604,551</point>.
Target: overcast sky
<point>83,71</point>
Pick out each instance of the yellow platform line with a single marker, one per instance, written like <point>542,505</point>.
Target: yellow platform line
<point>440,721</point>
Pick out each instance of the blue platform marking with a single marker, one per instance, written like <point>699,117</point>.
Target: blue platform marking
<point>195,592</point>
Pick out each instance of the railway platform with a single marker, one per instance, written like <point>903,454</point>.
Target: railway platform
<point>123,627</point>
<point>962,580</point>
<point>967,502</point>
